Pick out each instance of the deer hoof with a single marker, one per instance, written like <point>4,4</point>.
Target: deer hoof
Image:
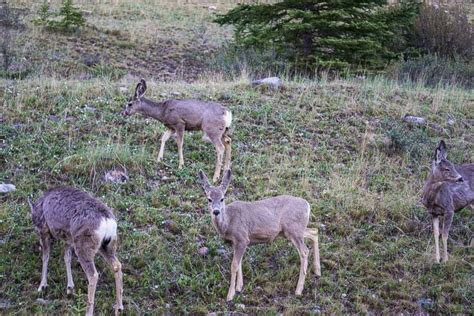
<point>70,290</point>
<point>42,288</point>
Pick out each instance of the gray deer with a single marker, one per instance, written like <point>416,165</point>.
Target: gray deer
<point>180,115</point>
<point>87,226</point>
<point>245,223</point>
<point>448,189</point>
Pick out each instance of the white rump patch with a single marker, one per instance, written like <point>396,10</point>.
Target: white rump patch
<point>107,229</point>
<point>228,118</point>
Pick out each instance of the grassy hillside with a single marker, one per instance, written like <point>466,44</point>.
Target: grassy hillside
<point>327,142</point>
<point>340,144</point>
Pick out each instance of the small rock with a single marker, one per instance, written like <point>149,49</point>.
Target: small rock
<point>164,178</point>
<point>123,89</point>
<point>89,108</point>
<point>414,119</point>
<point>175,93</point>
<point>272,82</point>
<point>212,8</point>
<point>54,118</point>
<point>4,304</point>
<point>317,309</point>
<point>171,226</point>
<point>221,251</point>
<point>240,306</point>
<point>5,188</point>
<point>425,303</point>
<point>42,301</point>
<point>163,94</point>
<point>203,251</point>
<point>116,176</point>
<point>451,122</point>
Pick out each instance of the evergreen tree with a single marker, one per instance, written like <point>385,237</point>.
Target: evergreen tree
<point>331,34</point>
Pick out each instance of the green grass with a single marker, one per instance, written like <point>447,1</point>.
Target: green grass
<point>340,144</point>
<point>325,141</point>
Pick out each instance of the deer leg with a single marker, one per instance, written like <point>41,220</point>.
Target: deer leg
<point>313,235</point>
<point>180,141</point>
<point>109,254</point>
<point>239,250</point>
<point>220,153</point>
<point>166,135</point>
<point>240,279</point>
<point>87,264</point>
<point>228,151</point>
<point>448,219</point>
<point>45,241</point>
<point>67,261</point>
<point>436,237</point>
<point>303,252</point>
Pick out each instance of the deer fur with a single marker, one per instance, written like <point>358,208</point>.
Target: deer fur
<point>245,223</point>
<point>448,189</point>
<point>87,226</point>
<point>180,115</point>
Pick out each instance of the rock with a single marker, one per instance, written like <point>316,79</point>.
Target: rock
<point>116,176</point>
<point>221,251</point>
<point>414,119</point>
<point>42,301</point>
<point>212,8</point>
<point>163,94</point>
<point>271,82</point>
<point>175,93</point>
<point>54,118</point>
<point>5,188</point>
<point>171,226</point>
<point>203,251</point>
<point>451,122</point>
<point>240,306</point>
<point>425,303</point>
<point>4,304</point>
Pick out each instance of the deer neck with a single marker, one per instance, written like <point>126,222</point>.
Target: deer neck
<point>221,222</point>
<point>431,189</point>
<point>152,109</point>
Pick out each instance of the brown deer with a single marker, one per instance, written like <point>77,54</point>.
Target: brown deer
<point>87,226</point>
<point>448,189</point>
<point>245,223</point>
<point>180,115</point>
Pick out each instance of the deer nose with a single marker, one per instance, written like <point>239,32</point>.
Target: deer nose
<point>216,212</point>
<point>125,113</point>
<point>460,179</point>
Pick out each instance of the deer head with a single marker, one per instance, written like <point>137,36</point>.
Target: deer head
<point>442,168</point>
<point>135,102</point>
<point>215,195</point>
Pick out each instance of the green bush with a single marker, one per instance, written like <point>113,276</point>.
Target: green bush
<point>444,31</point>
<point>432,71</point>
<point>68,18</point>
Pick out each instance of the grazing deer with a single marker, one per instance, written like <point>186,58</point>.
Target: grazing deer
<point>180,115</point>
<point>87,226</point>
<point>448,189</point>
<point>245,223</point>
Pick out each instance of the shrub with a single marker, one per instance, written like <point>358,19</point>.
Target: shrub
<point>67,19</point>
<point>433,70</point>
<point>319,33</point>
<point>444,31</point>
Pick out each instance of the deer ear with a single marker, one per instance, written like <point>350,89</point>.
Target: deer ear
<point>140,89</point>
<point>440,152</point>
<point>226,180</point>
<point>204,181</point>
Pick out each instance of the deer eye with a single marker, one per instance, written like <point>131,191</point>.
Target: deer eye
<point>446,169</point>
<point>222,200</point>
<point>210,201</point>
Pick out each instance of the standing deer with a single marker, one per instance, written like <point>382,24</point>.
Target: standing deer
<point>448,189</point>
<point>180,115</point>
<point>245,223</point>
<point>87,226</point>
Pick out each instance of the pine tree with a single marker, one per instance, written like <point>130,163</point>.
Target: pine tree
<point>71,16</point>
<point>320,33</point>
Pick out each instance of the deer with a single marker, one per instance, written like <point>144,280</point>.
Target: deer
<point>448,189</point>
<point>245,223</point>
<point>87,226</point>
<point>179,116</point>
